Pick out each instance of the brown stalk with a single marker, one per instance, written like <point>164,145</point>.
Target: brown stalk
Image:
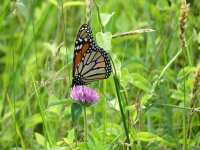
<point>182,22</point>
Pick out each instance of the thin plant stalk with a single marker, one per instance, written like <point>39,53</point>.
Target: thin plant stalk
<point>194,101</point>
<point>119,98</point>
<point>104,111</point>
<point>43,116</point>
<point>13,107</point>
<point>182,22</point>
<point>17,128</point>
<point>184,118</point>
<point>131,33</point>
<point>157,81</point>
<point>85,125</point>
<point>179,107</point>
<point>98,13</point>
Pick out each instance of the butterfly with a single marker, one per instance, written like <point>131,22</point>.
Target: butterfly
<point>90,62</point>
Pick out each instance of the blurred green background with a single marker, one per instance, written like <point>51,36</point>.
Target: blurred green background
<point>36,52</point>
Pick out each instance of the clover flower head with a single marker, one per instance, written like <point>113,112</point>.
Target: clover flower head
<point>84,95</point>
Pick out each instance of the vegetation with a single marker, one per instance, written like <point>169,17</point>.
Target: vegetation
<point>151,100</point>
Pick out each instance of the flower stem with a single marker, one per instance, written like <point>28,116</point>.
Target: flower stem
<point>85,125</point>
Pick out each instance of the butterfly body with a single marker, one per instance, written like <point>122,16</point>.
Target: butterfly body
<point>90,62</point>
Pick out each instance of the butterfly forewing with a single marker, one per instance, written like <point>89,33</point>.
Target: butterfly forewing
<point>91,62</point>
<point>82,44</point>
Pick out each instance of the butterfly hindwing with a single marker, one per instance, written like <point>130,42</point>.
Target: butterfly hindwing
<point>91,62</point>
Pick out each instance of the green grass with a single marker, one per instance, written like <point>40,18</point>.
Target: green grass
<point>151,100</point>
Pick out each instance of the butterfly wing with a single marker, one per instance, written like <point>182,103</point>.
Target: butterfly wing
<point>82,44</point>
<point>96,66</point>
<point>91,62</point>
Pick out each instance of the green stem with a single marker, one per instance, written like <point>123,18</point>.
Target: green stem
<point>184,118</point>
<point>13,107</point>
<point>179,107</point>
<point>43,116</point>
<point>157,81</point>
<point>85,125</point>
<point>119,97</point>
<point>17,128</point>
<point>99,18</point>
<point>185,146</point>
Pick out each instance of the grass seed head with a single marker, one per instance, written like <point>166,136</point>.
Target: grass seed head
<point>182,22</point>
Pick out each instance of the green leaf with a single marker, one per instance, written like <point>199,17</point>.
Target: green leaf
<point>145,98</point>
<point>59,102</point>
<point>68,4</point>
<point>105,18</point>
<point>118,65</point>
<point>40,139</point>
<point>140,82</point>
<point>104,40</point>
<point>198,38</point>
<point>177,94</point>
<point>150,137</point>
<point>186,71</point>
<point>76,110</point>
<point>147,136</point>
<point>73,3</point>
<point>133,111</point>
<point>33,120</point>
<point>70,137</point>
<point>125,79</point>
<point>114,104</point>
<point>59,148</point>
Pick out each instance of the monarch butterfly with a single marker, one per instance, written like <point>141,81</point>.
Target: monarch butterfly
<point>90,62</point>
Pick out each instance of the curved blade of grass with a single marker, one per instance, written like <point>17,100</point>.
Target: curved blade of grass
<point>119,98</point>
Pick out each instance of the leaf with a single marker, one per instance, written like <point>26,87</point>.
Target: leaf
<point>59,102</point>
<point>40,139</point>
<point>150,137</point>
<point>147,136</point>
<point>73,3</point>
<point>185,72</point>
<point>104,40</point>
<point>70,137</point>
<point>125,79</point>
<point>133,111</point>
<point>118,65</point>
<point>140,82</point>
<point>76,110</point>
<point>198,38</point>
<point>59,148</point>
<point>105,18</point>
<point>145,98</point>
<point>68,4</point>
<point>178,95</point>
<point>33,120</point>
<point>114,104</point>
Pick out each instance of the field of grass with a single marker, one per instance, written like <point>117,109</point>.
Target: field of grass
<point>151,101</point>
